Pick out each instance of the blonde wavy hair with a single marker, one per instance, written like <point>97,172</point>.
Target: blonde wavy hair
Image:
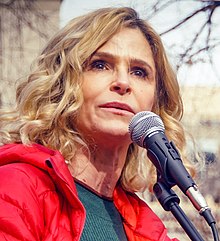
<point>48,100</point>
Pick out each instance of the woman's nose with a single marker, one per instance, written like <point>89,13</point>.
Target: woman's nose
<point>121,84</point>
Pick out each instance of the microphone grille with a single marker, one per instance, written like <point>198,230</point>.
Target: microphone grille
<point>144,124</point>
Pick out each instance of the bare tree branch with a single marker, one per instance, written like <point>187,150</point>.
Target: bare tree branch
<point>212,5</point>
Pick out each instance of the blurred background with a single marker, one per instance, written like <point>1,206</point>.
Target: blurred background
<point>190,31</point>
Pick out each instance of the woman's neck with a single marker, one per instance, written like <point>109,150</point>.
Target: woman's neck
<point>100,170</point>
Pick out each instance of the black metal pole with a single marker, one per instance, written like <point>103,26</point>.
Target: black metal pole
<point>170,202</point>
<point>185,222</point>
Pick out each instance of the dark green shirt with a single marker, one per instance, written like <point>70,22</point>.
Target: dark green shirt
<point>103,221</point>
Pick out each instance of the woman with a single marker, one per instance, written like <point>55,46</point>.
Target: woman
<point>89,81</point>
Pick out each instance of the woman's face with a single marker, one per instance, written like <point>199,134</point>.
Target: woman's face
<point>118,82</point>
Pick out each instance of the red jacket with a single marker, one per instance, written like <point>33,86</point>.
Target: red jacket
<point>39,202</point>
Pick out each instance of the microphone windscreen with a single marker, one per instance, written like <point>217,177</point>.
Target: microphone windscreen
<point>144,124</point>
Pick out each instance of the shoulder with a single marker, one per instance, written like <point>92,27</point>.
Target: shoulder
<point>20,176</point>
<point>24,192</point>
<point>25,188</point>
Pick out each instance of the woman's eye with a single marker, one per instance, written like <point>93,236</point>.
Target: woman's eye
<point>98,65</point>
<point>139,72</point>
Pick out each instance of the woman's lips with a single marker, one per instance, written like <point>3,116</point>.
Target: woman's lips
<point>118,108</point>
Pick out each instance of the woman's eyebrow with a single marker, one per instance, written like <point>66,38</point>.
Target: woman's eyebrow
<point>104,55</point>
<point>141,62</point>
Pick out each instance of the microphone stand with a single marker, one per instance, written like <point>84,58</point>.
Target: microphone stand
<point>170,202</point>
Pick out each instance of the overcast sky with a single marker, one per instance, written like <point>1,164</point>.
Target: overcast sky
<point>199,74</point>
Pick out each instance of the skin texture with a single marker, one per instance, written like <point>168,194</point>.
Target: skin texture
<point>118,81</point>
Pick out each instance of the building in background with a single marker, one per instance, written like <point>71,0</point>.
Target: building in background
<point>25,26</point>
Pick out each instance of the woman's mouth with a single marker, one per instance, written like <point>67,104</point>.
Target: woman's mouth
<point>118,108</point>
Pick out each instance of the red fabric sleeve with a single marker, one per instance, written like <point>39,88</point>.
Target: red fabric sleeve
<point>21,212</point>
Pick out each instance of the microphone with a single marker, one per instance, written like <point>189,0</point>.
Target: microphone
<point>147,130</point>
